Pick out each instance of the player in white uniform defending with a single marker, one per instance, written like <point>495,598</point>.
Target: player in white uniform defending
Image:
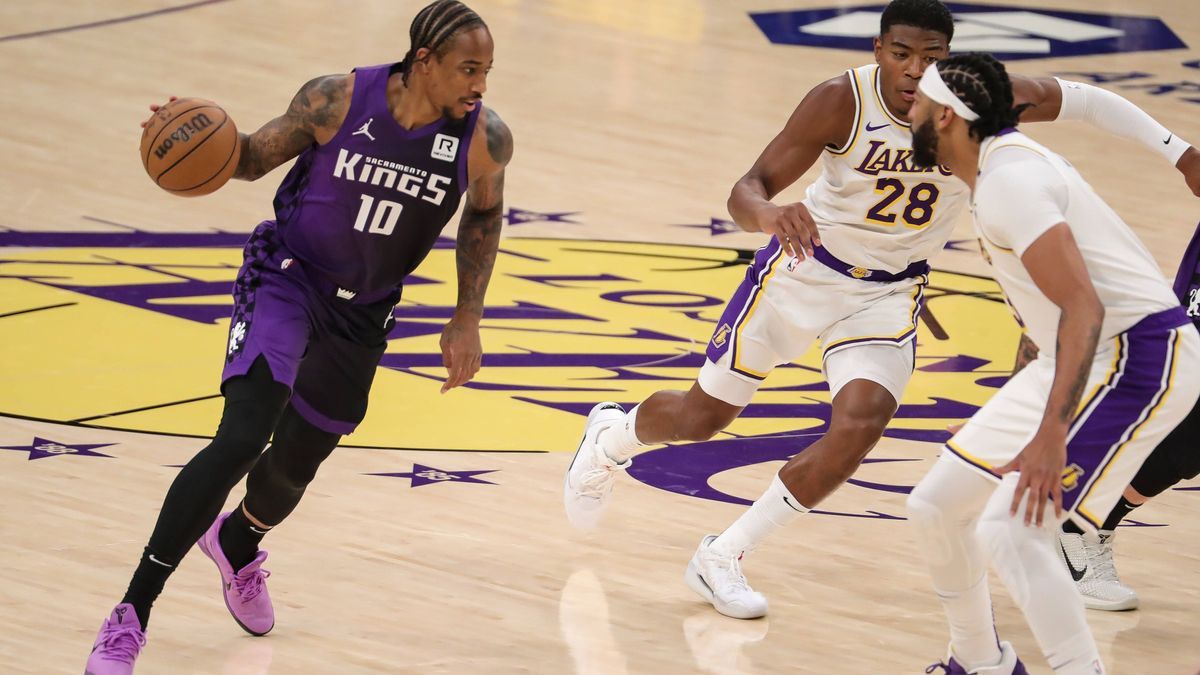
<point>1063,437</point>
<point>846,266</point>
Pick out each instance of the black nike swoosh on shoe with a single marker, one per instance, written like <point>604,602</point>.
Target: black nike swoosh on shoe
<point>1168,141</point>
<point>1077,575</point>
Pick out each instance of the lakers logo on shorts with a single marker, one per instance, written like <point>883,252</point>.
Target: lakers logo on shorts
<point>722,335</point>
<point>860,272</point>
<point>1071,476</point>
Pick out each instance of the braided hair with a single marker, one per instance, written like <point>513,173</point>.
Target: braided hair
<point>980,81</point>
<point>434,26</point>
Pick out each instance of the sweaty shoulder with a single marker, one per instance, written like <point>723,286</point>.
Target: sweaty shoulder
<point>322,103</point>
<point>828,111</point>
<point>492,147</point>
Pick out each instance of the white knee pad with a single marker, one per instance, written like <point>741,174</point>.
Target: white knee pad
<point>1014,547</point>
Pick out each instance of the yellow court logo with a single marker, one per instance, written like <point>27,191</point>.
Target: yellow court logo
<point>129,331</point>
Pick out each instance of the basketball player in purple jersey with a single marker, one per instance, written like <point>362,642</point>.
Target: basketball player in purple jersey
<point>845,266</point>
<point>384,156</point>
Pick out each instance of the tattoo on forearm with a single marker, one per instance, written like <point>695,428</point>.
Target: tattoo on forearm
<point>316,106</point>
<point>1080,377</point>
<point>478,242</point>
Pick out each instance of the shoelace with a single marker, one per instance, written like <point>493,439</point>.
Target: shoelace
<point>250,584</point>
<point>945,668</point>
<point>734,579</point>
<point>597,482</point>
<point>121,643</point>
<point>1100,554</point>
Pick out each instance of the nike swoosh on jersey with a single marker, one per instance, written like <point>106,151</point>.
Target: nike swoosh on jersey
<point>881,126</point>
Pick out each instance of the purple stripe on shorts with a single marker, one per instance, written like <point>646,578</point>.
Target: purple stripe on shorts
<point>1098,435</point>
<point>743,298</point>
<point>315,418</point>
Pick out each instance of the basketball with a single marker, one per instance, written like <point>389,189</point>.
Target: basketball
<point>190,147</point>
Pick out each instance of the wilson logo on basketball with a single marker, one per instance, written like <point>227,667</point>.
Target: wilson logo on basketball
<point>183,134</point>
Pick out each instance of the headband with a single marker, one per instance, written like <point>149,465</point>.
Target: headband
<point>935,88</point>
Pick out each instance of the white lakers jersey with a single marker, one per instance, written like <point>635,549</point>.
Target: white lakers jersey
<point>1022,191</point>
<point>873,208</point>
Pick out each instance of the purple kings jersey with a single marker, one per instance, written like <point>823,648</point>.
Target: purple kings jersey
<point>366,208</point>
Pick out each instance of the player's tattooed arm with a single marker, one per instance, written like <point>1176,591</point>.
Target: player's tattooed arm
<point>1057,268</point>
<point>479,229</point>
<point>1078,380</point>
<point>314,115</point>
<point>1027,351</point>
<point>478,243</point>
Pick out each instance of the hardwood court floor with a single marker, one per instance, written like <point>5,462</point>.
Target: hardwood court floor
<point>632,120</point>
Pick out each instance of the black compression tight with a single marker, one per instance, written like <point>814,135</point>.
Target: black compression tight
<point>279,477</point>
<point>253,406</point>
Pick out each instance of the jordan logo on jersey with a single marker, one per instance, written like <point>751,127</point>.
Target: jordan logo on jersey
<point>445,148</point>
<point>365,130</point>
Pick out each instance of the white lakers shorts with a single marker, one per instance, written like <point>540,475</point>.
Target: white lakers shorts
<point>1140,387</point>
<point>867,328</point>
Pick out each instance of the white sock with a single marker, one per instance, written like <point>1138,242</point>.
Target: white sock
<point>774,509</point>
<point>620,441</point>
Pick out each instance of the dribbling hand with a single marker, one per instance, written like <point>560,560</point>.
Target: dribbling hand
<point>792,225</point>
<point>154,108</point>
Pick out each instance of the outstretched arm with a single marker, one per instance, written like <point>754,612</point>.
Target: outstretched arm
<point>825,118</point>
<point>1056,99</point>
<point>478,242</point>
<point>313,116</point>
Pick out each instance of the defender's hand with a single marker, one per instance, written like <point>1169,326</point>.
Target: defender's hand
<point>462,352</point>
<point>793,226</point>
<point>1041,464</point>
<point>154,108</point>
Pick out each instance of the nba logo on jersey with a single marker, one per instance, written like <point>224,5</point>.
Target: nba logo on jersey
<point>445,148</point>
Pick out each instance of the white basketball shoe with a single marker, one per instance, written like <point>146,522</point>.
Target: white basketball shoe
<point>718,579</point>
<point>589,480</point>
<point>1089,559</point>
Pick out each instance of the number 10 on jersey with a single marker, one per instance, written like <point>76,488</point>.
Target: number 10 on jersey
<point>383,218</point>
<point>916,212</point>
